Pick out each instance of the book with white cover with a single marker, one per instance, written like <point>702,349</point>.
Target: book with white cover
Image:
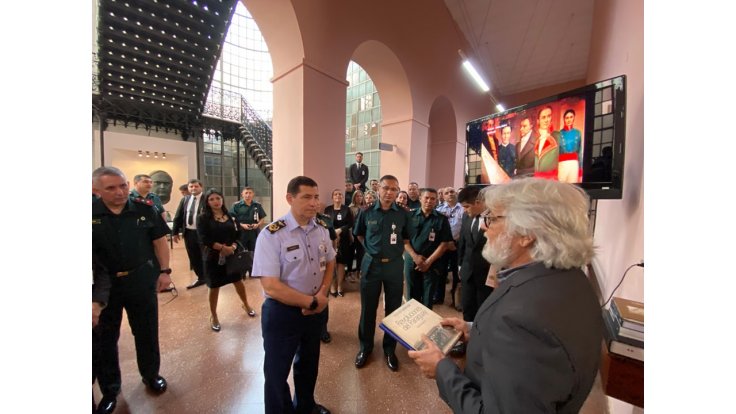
<point>412,319</point>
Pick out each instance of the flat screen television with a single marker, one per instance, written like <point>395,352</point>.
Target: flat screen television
<point>576,136</point>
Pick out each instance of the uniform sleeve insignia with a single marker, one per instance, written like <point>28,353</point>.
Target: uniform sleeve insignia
<point>320,219</point>
<point>143,201</point>
<point>276,226</point>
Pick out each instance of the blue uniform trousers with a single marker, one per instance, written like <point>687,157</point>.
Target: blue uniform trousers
<point>289,336</point>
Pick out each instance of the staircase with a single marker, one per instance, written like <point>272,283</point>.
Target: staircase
<point>252,131</point>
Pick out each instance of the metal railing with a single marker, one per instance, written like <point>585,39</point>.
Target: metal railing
<point>255,134</point>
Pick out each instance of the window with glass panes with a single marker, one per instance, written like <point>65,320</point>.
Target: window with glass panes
<point>362,121</point>
<point>244,68</point>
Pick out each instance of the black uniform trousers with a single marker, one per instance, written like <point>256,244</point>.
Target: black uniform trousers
<point>136,293</point>
<point>289,336</point>
<point>194,251</point>
<point>450,257</point>
<point>378,274</point>
<point>473,295</point>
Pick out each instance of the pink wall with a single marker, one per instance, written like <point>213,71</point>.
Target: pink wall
<point>412,61</point>
<point>617,47</point>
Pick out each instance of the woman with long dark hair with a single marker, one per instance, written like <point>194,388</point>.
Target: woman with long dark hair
<point>342,221</point>
<point>218,231</point>
<point>356,248</point>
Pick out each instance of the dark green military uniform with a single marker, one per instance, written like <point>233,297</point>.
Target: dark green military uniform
<point>248,214</point>
<point>156,200</point>
<point>384,232</point>
<point>123,243</point>
<point>427,233</point>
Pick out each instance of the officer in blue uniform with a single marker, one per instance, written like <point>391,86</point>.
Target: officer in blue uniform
<point>295,261</point>
<point>382,228</point>
<point>430,236</point>
<point>129,240</point>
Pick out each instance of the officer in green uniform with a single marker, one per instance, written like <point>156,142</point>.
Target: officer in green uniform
<point>128,238</point>
<point>251,216</point>
<point>430,234</point>
<point>383,230</point>
<point>143,185</point>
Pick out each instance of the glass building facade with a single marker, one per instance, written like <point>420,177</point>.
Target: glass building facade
<point>243,71</point>
<point>362,121</point>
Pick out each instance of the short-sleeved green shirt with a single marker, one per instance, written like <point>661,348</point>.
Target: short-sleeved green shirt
<point>377,225</point>
<point>427,233</point>
<point>248,214</point>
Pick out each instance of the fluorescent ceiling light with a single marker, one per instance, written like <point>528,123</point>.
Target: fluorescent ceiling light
<point>500,108</point>
<point>476,76</point>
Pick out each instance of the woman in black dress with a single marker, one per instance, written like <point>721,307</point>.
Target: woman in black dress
<point>356,249</point>
<point>342,221</point>
<point>218,232</point>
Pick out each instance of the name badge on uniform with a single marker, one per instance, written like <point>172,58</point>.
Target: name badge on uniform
<point>431,235</point>
<point>393,238</point>
<point>363,172</point>
<point>339,216</point>
<point>322,263</point>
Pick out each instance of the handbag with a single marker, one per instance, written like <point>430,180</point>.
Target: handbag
<point>238,262</point>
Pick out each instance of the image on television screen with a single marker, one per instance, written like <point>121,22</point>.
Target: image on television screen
<point>575,137</point>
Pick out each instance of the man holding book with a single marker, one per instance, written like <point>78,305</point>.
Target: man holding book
<point>535,342</point>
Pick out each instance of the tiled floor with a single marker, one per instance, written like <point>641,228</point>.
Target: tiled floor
<point>211,372</point>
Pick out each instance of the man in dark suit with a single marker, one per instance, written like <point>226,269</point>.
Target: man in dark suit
<point>185,221</point>
<point>473,268</point>
<point>534,345</point>
<point>359,172</point>
<point>525,149</point>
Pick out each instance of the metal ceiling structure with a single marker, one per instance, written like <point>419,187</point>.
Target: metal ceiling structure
<point>156,60</point>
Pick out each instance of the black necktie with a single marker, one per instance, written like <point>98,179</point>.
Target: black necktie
<point>190,217</point>
<point>474,228</point>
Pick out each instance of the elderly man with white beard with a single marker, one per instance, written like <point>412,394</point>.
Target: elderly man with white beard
<point>534,345</point>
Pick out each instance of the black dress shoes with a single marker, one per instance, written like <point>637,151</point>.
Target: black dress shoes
<point>320,409</point>
<point>325,337</point>
<point>361,359</point>
<point>195,284</point>
<point>107,405</point>
<point>157,385</point>
<point>392,362</point>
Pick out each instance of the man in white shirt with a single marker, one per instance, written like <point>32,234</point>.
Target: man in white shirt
<point>185,221</point>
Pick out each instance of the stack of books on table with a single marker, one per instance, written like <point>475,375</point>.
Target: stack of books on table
<point>624,328</point>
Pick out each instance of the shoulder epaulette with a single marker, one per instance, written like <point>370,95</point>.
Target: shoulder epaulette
<point>321,221</point>
<point>141,200</point>
<point>276,226</point>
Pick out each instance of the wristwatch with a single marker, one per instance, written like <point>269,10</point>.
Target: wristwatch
<point>167,271</point>
<point>313,305</point>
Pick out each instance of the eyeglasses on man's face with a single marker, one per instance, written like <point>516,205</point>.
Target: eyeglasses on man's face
<point>489,218</point>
